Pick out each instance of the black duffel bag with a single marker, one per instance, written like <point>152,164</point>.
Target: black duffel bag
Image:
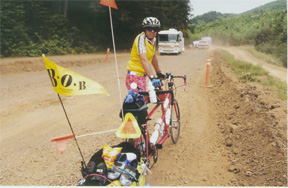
<point>138,109</point>
<point>95,174</point>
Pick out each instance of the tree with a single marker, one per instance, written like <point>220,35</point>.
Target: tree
<point>13,29</point>
<point>263,36</point>
<point>32,27</point>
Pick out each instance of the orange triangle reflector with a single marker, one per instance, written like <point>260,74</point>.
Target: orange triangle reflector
<point>129,128</point>
<point>61,142</point>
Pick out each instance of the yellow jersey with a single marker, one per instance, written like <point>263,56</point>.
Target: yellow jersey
<point>141,45</point>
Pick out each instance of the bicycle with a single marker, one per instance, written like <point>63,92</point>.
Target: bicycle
<point>171,127</point>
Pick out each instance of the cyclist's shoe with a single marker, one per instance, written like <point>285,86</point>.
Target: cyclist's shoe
<point>126,179</point>
<point>119,164</point>
<point>129,175</point>
<point>125,163</point>
<point>114,174</point>
<point>120,161</point>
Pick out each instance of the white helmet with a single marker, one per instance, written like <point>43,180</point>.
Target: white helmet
<point>151,22</point>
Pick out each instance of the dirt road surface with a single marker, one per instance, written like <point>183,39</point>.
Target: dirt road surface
<point>243,55</point>
<point>232,134</point>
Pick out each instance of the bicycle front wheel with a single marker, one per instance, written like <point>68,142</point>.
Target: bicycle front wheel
<point>175,122</point>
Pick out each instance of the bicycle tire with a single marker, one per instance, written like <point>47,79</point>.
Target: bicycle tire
<point>175,122</point>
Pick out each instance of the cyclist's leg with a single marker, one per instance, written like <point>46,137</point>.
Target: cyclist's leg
<point>139,80</point>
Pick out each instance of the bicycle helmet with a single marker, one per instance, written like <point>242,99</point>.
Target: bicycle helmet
<point>151,22</point>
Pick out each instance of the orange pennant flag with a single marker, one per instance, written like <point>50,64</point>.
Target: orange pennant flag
<point>61,142</point>
<point>109,3</point>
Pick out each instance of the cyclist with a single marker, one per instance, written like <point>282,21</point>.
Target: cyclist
<point>143,55</point>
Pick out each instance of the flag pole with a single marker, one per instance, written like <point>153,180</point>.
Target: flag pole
<point>72,130</point>
<point>117,73</point>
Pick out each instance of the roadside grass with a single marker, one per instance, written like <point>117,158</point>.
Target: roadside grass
<point>251,73</point>
<point>265,57</point>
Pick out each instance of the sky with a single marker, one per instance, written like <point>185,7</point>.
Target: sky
<point>225,6</point>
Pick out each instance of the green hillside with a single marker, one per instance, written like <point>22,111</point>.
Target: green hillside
<point>264,27</point>
<point>209,17</point>
<point>273,6</point>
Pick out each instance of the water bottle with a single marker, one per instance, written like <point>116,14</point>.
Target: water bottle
<point>161,124</point>
<point>152,93</point>
<point>167,116</point>
<point>162,129</point>
<point>166,103</point>
<point>154,137</point>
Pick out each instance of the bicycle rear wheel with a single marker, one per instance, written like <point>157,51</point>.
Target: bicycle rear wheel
<point>175,122</point>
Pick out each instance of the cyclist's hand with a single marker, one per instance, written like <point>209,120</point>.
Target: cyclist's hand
<point>156,82</point>
<point>160,75</point>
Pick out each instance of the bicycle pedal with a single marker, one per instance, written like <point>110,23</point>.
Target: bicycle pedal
<point>159,146</point>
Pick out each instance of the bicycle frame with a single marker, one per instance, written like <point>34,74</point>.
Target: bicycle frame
<point>145,132</point>
<point>170,97</point>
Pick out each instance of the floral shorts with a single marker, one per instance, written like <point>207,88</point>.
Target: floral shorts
<point>139,80</point>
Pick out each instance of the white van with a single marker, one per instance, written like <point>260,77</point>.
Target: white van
<point>203,44</point>
<point>208,39</point>
<point>170,42</point>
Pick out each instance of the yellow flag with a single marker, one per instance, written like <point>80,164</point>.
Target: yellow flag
<point>69,83</point>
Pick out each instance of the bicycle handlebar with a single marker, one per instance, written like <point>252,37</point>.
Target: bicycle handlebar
<point>170,77</point>
<point>157,92</point>
<point>184,78</point>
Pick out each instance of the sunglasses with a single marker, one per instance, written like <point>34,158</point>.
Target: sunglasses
<point>150,29</point>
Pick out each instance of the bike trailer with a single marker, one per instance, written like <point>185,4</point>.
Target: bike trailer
<point>124,171</point>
